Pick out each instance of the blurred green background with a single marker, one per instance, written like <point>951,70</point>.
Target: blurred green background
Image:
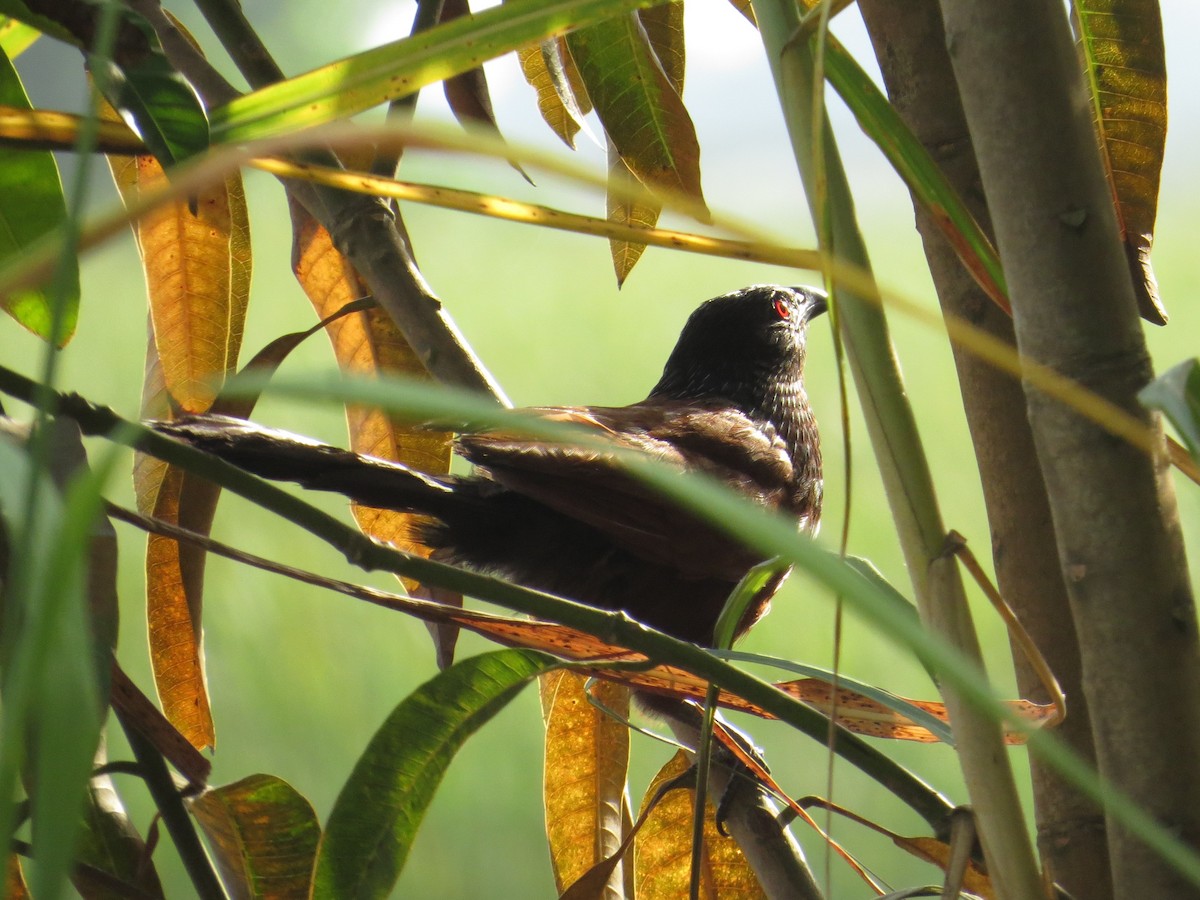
<point>301,679</point>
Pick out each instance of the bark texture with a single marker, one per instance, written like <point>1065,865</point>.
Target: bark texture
<point>909,43</point>
<point>1118,537</point>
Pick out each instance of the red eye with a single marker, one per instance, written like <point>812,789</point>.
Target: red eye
<point>782,309</point>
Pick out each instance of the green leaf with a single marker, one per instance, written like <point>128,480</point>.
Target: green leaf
<point>641,110</point>
<point>51,699</point>
<point>31,206</point>
<point>760,578</point>
<point>152,98</point>
<point>155,100</point>
<point>1177,394</point>
<point>263,835</point>
<point>16,37</point>
<point>393,70</point>
<point>1121,46</point>
<point>664,30</point>
<point>376,816</point>
<point>111,844</point>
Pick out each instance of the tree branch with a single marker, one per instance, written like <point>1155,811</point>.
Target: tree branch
<point>910,45</point>
<point>1118,536</point>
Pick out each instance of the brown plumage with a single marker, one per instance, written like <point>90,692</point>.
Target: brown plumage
<point>567,519</point>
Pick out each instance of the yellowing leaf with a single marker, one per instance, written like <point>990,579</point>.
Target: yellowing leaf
<point>663,848</point>
<point>174,576</point>
<point>626,211</point>
<point>938,852</point>
<point>562,101</point>
<point>14,879</point>
<point>1121,43</point>
<point>366,343</point>
<point>197,268</point>
<point>196,289</point>
<point>587,760</point>
<point>369,343</point>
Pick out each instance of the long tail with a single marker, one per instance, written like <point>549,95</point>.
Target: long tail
<point>282,456</point>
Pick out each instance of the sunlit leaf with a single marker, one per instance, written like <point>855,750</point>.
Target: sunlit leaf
<point>197,305</point>
<point>137,80</point>
<point>642,112</point>
<point>551,72</point>
<point>263,835</point>
<point>1121,44</point>
<point>378,811</point>
<point>1177,394</point>
<point>197,267</point>
<point>367,79</point>
<point>664,30</point>
<point>32,206</point>
<point>16,37</point>
<point>663,25</point>
<point>587,761</point>
<point>663,848</point>
<point>174,574</point>
<point>369,343</point>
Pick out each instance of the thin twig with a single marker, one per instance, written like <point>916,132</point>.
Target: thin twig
<point>170,806</point>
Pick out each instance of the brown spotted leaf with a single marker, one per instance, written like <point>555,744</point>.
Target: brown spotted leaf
<point>263,834</point>
<point>641,110</point>
<point>856,711</point>
<point>1121,44</point>
<point>663,847</point>
<point>587,761</point>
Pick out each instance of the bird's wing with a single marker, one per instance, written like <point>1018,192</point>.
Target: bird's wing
<point>589,484</point>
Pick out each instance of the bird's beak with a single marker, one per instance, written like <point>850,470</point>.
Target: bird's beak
<point>817,302</point>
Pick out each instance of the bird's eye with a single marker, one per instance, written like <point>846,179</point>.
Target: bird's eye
<point>782,309</point>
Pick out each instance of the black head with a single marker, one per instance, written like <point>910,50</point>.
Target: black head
<point>742,346</point>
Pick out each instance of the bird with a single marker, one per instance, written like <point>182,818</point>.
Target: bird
<point>568,519</point>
